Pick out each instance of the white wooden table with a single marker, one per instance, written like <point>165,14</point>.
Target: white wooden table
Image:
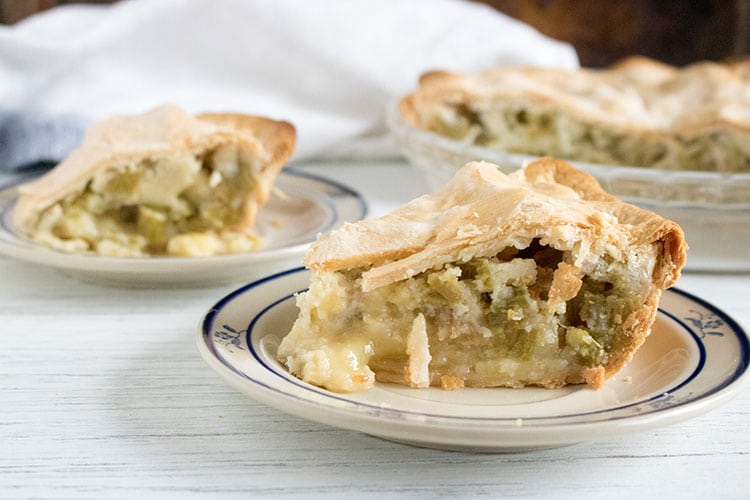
<point>103,395</point>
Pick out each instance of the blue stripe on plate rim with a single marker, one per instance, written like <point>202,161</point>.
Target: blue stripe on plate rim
<point>742,366</point>
<point>364,208</point>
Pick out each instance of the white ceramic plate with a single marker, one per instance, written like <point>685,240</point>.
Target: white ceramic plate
<point>302,206</point>
<point>693,361</point>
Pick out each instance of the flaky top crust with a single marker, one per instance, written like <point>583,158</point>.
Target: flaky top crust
<point>638,94</point>
<point>482,211</point>
<point>162,132</point>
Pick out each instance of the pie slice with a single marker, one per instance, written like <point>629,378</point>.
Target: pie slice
<point>160,183</point>
<point>534,278</point>
<point>639,112</point>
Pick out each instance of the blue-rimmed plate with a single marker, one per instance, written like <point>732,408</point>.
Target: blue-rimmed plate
<point>301,206</point>
<point>693,361</point>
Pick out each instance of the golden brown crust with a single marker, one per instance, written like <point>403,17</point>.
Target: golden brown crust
<point>638,94</point>
<point>646,227</point>
<point>277,139</point>
<point>566,283</point>
<point>451,383</point>
<point>482,211</point>
<point>162,132</point>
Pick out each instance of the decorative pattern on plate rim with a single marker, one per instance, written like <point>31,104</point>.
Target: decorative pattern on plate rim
<point>707,323</point>
<point>684,397</point>
<point>229,336</point>
<point>657,402</point>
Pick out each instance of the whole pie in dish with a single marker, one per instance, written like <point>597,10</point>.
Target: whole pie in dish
<point>161,183</point>
<point>639,113</point>
<point>534,278</point>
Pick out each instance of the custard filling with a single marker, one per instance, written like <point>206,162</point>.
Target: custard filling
<point>521,317</point>
<point>188,205</point>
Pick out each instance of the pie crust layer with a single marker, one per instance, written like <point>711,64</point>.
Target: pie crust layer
<point>639,112</point>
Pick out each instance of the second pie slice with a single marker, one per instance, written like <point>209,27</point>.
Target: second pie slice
<point>536,278</point>
<point>159,183</point>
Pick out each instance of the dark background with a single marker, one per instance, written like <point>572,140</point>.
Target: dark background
<point>602,31</point>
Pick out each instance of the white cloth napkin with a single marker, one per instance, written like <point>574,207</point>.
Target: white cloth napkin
<point>329,66</point>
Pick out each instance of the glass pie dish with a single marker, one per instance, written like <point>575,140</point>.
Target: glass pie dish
<point>713,208</point>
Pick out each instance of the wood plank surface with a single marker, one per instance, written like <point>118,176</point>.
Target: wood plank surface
<point>104,395</point>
